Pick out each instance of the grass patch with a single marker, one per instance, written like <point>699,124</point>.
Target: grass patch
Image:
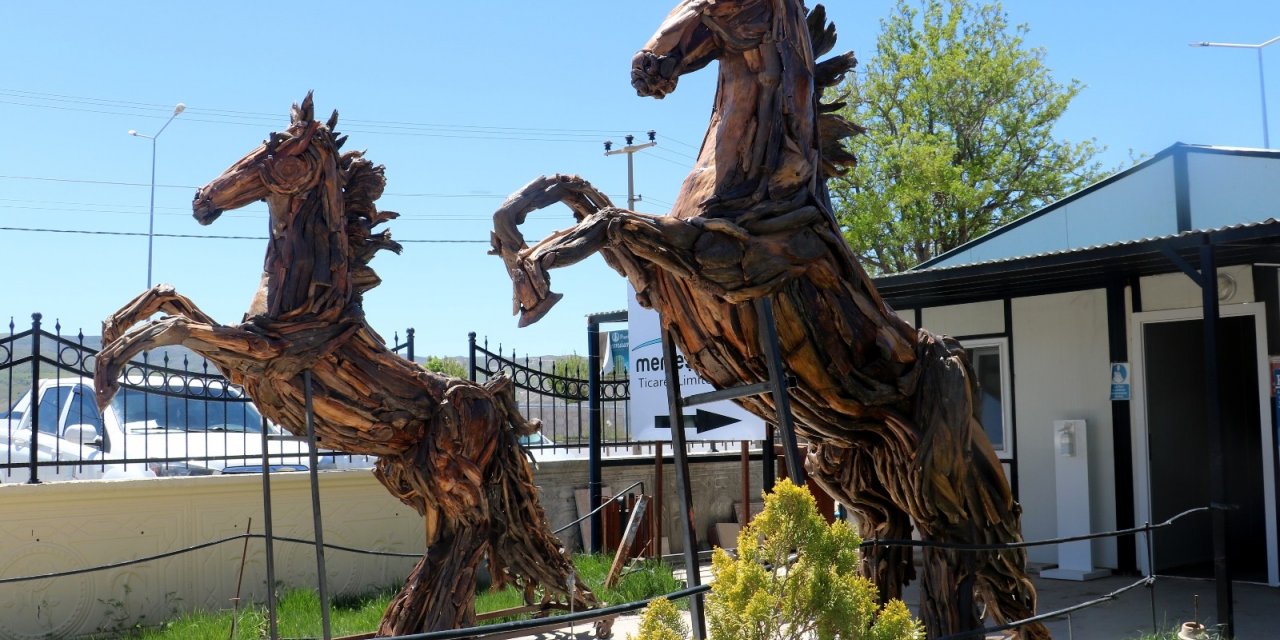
<point>298,611</point>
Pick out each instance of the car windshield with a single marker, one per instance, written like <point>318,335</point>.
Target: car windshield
<point>140,410</point>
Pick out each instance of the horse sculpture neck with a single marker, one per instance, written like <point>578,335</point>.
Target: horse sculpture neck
<point>306,274</point>
<point>761,144</point>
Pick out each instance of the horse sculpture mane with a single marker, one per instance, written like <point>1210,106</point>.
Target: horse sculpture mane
<point>446,447</point>
<point>888,411</point>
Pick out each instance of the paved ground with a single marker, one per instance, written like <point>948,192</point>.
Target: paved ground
<point>1128,616</point>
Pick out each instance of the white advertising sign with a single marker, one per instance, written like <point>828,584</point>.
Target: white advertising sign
<point>649,413</point>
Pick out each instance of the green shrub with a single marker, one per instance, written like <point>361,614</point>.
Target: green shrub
<point>662,621</point>
<point>818,596</point>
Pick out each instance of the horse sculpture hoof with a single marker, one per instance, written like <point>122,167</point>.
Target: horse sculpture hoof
<point>533,314</point>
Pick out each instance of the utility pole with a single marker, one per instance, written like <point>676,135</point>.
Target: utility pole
<point>630,150</point>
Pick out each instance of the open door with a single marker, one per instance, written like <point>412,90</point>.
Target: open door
<point>1177,445</point>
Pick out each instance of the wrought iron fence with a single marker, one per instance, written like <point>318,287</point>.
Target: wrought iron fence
<point>175,414</point>
<point>554,389</point>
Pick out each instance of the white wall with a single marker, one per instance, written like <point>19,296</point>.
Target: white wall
<point>1177,291</point>
<point>965,319</point>
<point>62,526</point>
<point>71,525</point>
<point>1061,371</point>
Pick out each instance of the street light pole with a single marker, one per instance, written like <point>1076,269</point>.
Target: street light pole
<point>1262,85</point>
<point>630,150</point>
<point>151,224</point>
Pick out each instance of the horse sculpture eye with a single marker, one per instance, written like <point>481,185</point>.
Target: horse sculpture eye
<point>289,174</point>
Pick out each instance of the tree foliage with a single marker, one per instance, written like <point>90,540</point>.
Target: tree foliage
<point>959,116</point>
<point>573,369</point>
<point>446,366</point>
<point>820,595</point>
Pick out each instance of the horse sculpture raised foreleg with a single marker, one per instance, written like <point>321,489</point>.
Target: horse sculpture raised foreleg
<point>162,297</point>
<point>732,261</point>
<point>232,348</point>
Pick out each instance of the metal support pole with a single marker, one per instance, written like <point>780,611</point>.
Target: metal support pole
<point>408,339</point>
<point>692,576</point>
<point>768,460</point>
<point>273,625</point>
<point>1262,90</point>
<point>322,578</point>
<point>778,380</point>
<point>594,475</point>
<point>471,356</point>
<point>34,407</point>
<point>658,502</point>
<point>1217,446</point>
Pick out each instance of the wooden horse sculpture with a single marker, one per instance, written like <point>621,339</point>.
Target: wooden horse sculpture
<point>888,411</point>
<point>447,447</point>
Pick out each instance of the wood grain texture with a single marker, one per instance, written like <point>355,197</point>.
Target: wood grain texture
<point>446,447</point>
<point>889,412</point>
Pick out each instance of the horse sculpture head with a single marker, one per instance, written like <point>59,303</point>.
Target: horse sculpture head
<point>771,133</point>
<point>321,203</point>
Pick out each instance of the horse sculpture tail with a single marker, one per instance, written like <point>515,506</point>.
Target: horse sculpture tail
<point>967,498</point>
<point>481,500</point>
<point>522,546</point>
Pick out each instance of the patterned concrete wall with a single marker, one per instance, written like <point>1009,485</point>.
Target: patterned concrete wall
<point>717,486</point>
<point>71,525</point>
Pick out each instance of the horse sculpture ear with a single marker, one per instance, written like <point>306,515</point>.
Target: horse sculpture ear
<point>306,112</point>
<point>333,122</point>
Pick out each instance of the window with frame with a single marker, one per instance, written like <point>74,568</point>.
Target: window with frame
<point>990,362</point>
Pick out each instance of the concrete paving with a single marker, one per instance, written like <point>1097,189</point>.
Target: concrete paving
<point>1169,602</point>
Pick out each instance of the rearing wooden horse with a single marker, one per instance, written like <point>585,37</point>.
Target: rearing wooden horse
<point>888,411</point>
<point>447,447</point>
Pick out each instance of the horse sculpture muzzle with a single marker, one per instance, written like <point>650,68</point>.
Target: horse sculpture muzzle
<point>654,75</point>
<point>202,208</point>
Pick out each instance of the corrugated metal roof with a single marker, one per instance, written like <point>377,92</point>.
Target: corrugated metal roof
<point>1079,269</point>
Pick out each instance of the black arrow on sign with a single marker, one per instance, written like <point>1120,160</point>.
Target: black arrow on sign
<point>701,422</point>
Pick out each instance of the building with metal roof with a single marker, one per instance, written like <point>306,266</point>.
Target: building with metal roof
<point>1127,338</point>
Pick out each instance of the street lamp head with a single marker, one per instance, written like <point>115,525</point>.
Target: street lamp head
<point>179,109</point>
<point>133,132</point>
<point>1197,44</point>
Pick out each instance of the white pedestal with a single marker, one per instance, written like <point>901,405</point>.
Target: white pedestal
<point>1071,471</point>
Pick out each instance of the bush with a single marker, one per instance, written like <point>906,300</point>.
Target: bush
<point>818,596</point>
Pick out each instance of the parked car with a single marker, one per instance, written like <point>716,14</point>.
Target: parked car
<point>166,427</point>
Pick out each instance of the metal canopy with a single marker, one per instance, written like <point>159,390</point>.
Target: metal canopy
<point>1078,269</point>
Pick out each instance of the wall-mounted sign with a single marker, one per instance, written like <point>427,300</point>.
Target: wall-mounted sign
<point>649,413</point>
<point>1119,380</point>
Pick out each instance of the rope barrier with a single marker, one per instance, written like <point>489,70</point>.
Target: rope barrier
<point>197,547</point>
<point>615,610</point>
<point>977,633</point>
<point>998,546</point>
<point>618,497</point>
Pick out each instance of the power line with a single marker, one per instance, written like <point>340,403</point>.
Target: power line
<point>193,187</point>
<point>208,237</point>
<point>65,102</point>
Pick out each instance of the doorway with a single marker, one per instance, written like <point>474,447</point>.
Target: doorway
<point>1177,443</point>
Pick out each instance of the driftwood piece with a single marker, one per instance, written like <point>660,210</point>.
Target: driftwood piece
<point>447,447</point>
<point>889,412</point>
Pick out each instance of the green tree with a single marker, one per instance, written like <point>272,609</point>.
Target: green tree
<point>446,366</point>
<point>959,116</point>
<point>761,595</point>
<point>574,368</point>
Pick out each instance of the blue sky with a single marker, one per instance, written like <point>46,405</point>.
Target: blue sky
<point>464,102</point>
